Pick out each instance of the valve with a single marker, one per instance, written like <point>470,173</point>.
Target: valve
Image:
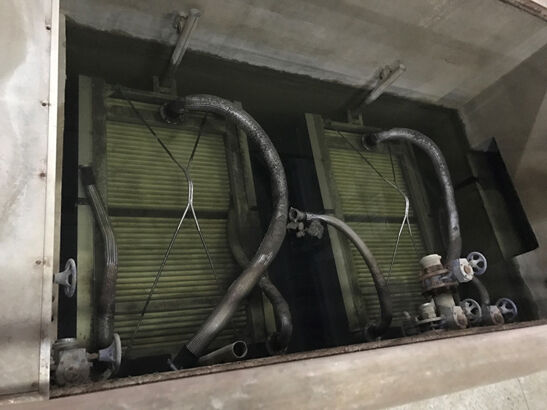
<point>478,262</point>
<point>508,309</point>
<point>491,315</point>
<point>472,310</point>
<point>112,354</point>
<point>69,362</point>
<point>299,223</point>
<point>67,278</point>
<point>461,269</point>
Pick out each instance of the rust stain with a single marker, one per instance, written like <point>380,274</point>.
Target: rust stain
<point>179,374</point>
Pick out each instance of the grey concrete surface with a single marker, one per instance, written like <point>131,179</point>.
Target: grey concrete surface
<point>369,379</point>
<point>505,395</point>
<point>26,248</point>
<point>514,112</point>
<point>529,392</point>
<point>453,49</point>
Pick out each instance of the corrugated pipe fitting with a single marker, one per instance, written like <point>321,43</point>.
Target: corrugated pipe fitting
<point>441,168</point>
<point>173,112</point>
<point>373,331</point>
<point>106,297</point>
<point>275,234</point>
<point>277,342</point>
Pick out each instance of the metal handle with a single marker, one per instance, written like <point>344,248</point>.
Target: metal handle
<point>68,278</point>
<point>508,309</point>
<point>478,262</point>
<point>472,310</point>
<point>112,354</point>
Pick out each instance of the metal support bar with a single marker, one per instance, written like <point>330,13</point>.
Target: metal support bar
<point>181,46</point>
<point>387,76</point>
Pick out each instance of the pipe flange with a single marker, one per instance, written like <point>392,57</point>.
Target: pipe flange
<point>461,269</point>
<point>169,116</point>
<point>478,263</point>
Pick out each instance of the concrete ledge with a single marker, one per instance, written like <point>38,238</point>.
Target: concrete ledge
<point>364,379</point>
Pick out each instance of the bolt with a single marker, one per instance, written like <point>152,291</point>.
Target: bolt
<point>48,26</point>
<point>42,174</point>
<point>44,103</point>
<point>38,262</point>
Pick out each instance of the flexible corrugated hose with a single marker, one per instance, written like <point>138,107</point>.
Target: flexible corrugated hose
<point>384,295</point>
<point>104,319</point>
<point>273,238</point>
<point>278,341</point>
<point>441,168</point>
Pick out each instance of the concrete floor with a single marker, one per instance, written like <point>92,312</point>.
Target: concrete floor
<point>529,392</point>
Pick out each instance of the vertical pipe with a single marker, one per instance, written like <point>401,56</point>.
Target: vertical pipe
<point>104,322</point>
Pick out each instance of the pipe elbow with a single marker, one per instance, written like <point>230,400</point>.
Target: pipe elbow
<point>275,233</point>
<point>369,141</point>
<point>173,111</point>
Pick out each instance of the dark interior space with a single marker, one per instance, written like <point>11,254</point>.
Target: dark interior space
<point>304,271</point>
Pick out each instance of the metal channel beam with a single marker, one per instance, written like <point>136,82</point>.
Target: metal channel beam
<point>29,194</point>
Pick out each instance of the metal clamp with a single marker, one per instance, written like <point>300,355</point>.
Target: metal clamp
<point>299,223</point>
<point>67,278</point>
<point>508,309</point>
<point>478,262</point>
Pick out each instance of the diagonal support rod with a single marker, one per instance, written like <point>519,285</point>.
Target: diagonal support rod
<point>189,208</point>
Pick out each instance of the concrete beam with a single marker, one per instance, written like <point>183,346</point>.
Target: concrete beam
<point>365,379</point>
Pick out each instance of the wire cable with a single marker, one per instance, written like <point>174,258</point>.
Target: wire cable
<point>405,220</point>
<point>189,207</point>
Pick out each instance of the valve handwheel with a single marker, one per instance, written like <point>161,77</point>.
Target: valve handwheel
<point>472,310</point>
<point>508,309</point>
<point>478,263</point>
<point>68,278</point>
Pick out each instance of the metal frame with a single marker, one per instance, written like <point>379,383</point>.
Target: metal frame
<point>92,150</point>
<point>355,310</point>
<point>86,254</point>
<point>30,196</point>
<point>353,300</point>
<point>52,201</point>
